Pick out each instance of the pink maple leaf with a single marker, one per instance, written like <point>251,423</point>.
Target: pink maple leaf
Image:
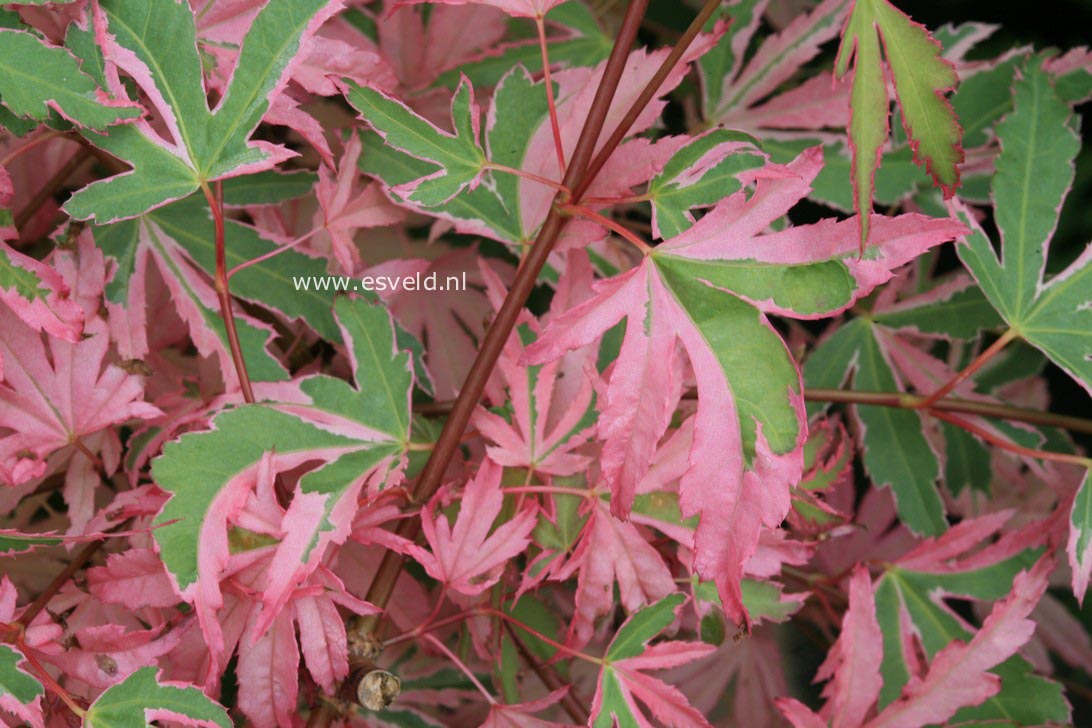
<point>346,204</point>
<point>56,392</point>
<point>448,321</point>
<point>854,661</point>
<point>612,551</point>
<point>520,715</point>
<point>551,404</point>
<point>135,578</point>
<point>269,659</point>
<point>467,557</point>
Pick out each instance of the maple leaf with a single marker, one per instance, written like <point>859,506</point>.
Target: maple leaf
<point>913,615</point>
<point>269,657</point>
<point>520,715</point>
<point>155,42</point>
<point>56,392</point>
<point>466,556</point>
<point>447,322</point>
<point>547,415</point>
<point>108,653</point>
<point>854,661</point>
<point>141,698</point>
<point>518,134</point>
<point>177,240</point>
<point>36,78</point>
<point>699,175</point>
<point>921,77</point>
<point>1034,174</point>
<point>622,679</point>
<point>32,289</point>
<point>612,551</point>
<point>960,676</point>
<point>722,276</point>
<point>135,578</point>
<point>354,432</point>
<point>459,156</point>
<point>346,205</point>
<point>1079,544</point>
<point>430,47</point>
<point>880,352</point>
<point>38,295</point>
<point>16,542</point>
<point>738,95</point>
<point>20,693</point>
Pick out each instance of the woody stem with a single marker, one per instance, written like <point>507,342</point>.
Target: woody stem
<point>496,335</point>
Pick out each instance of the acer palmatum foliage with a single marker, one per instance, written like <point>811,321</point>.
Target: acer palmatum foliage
<point>347,379</point>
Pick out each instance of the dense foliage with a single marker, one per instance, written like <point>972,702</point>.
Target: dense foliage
<point>538,363</point>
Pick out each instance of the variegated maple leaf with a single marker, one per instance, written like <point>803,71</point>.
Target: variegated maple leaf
<point>710,288</point>
<point>962,675</point>
<point>622,679</point>
<point>422,166</point>
<point>155,43</point>
<point>517,8</point>
<point>749,95</point>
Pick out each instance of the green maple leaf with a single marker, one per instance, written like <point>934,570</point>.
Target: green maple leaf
<point>36,78</point>
<point>922,78</point>
<point>1034,172</point>
<point>141,698</point>
<point>459,157</point>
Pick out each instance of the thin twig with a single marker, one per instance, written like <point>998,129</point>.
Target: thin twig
<point>528,176</point>
<point>573,705</point>
<point>650,90</point>
<point>551,104</point>
<point>890,399</point>
<point>991,351</point>
<point>51,187</point>
<point>951,404</point>
<point>82,557</point>
<point>618,229</point>
<point>272,253</point>
<point>1059,457</point>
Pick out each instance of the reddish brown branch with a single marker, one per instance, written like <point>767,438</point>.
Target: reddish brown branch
<point>82,557</point>
<point>647,94</point>
<point>497,334</point>
<point>52,186</point>
<point>965,406</point>
<point>573,705</point>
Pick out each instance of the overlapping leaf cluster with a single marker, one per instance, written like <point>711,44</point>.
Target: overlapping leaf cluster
<point>710,424</point>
